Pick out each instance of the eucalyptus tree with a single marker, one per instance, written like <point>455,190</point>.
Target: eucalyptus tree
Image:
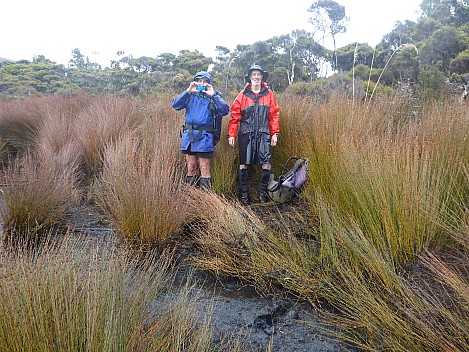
<point>308,55</point>
<point>222,69</point>
<point>146,64</point>
<point>192,61</point>
<point>439,49</point>
<point>81,61</point>
<point>448,12</point>
<point>328,18</point>
<point>425,28</point>
<point>354,54</point>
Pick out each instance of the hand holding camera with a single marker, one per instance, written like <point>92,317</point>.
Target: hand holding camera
<point>199,87</point>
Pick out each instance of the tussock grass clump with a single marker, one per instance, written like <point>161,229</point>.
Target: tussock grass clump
<point>104,121</point>
<point>25,124</point>
<point>394,180</point>
<point>383,190</point>
<point>20,122</point>
<point>143,194</point>
<point>37,193</point>
<point>78,296</point>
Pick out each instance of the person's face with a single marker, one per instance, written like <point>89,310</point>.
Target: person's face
<point>256,77</point>
<point>201,82</point>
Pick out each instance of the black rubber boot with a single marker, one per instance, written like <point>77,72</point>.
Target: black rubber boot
<point>243,186</point>
<point>265,179</point>
<point>205,184</point>
<point>191,180</point>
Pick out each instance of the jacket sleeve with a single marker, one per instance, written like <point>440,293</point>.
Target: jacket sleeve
<point>181,101</point>
<point>235,112</point>
<point>274,116</point>
<point>221,107</point>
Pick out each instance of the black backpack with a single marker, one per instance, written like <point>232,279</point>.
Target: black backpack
<point>290,182</point>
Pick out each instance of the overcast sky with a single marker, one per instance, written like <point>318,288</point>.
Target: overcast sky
<point>101,28</point>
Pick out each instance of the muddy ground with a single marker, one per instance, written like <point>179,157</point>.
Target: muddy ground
<point>265,323</point>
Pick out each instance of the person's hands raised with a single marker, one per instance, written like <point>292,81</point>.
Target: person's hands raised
<point>209,90</point>
<point>192,87</point>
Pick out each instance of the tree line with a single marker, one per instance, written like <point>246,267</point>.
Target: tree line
<point>425,54</point>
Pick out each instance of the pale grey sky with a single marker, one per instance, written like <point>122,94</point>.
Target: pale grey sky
<point>100,28</point>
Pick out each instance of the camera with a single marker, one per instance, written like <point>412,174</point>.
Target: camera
<point>201,88</point>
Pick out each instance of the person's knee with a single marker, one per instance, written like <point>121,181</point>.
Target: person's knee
<point>191,165</point>
<point>191,168</point>
<point>204,165</point>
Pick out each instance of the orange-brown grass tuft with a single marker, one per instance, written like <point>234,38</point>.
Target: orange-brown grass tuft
<point>20,122</point>
<point>143,194</point>
<point>37,193</point>
<point>102,122</point>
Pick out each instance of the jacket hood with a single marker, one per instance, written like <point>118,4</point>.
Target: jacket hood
<point>205,75</point>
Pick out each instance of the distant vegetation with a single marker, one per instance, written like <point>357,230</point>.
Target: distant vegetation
<point>419,56</point>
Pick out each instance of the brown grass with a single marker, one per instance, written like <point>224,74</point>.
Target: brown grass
<point>102,122</point>
<point>37,193</point>
<point>143,194</point>
<point>77,295</point>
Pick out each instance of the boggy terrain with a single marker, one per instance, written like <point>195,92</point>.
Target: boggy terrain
<point>272,322</point>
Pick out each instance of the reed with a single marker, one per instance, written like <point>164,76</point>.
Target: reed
<point>78,295</point>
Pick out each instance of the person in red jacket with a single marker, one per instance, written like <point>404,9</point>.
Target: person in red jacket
<point>255,122</point>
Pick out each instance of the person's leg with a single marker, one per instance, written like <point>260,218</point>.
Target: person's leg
<point>191,164</point>
<point>243,183</point>
<point>264,182</point>
<point>204,165</point>
<point>205,179</point>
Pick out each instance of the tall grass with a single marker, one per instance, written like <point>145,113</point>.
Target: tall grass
<point>381,192</point>
<point>385,206</point>
<point>382,307</point>
<point>101,122</point>
<point>224,165</point>
<point>78,296</point>
<point>20,122</point>
<point>393,180</point>
<point>37,193</point>
<point>143,194</point>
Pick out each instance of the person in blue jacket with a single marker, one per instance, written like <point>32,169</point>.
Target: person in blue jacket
<point>205,108</point>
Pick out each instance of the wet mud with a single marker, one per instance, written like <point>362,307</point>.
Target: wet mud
<point>263,323</point>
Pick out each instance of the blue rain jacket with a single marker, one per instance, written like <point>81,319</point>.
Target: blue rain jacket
<point>203,118</point>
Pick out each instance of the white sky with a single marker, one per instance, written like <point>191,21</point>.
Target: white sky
<point>101,28</point>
